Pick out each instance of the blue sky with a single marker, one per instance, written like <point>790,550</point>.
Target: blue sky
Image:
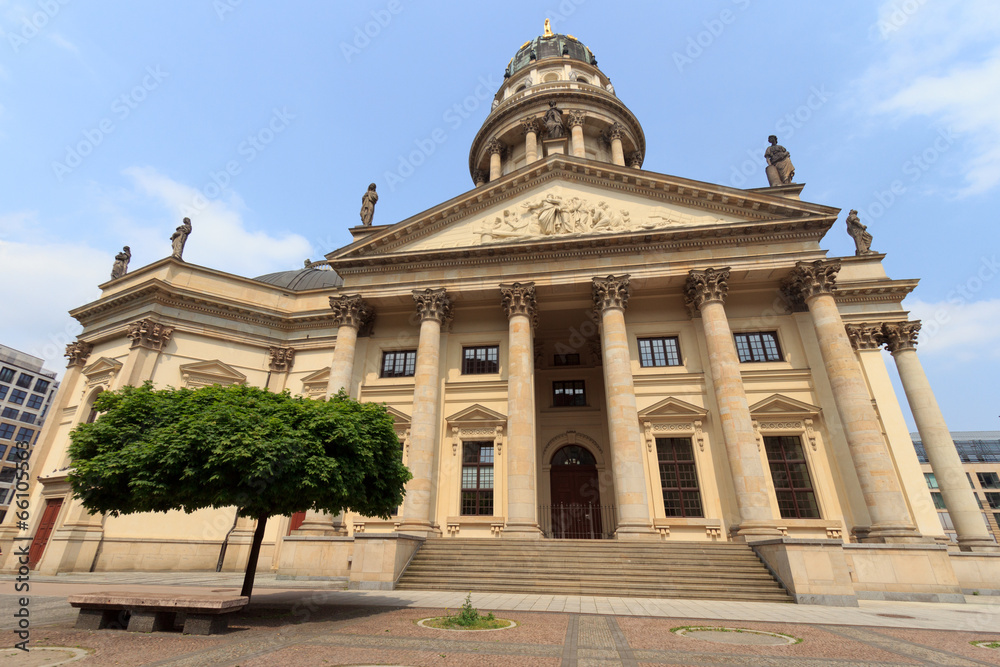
<point>265,123</point>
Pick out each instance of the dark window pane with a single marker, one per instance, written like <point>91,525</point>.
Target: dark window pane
<point>399,364</point>
<point>25,380</point>
<point>761,346</point>
<point>9,413</point>
<point>790,475</point>
<point>28,417</point>
<point>477,478</point>
<point>573,455</point>
<point>6,431</point>
<point>480,360</point>
<point>6,374</point>
<point>41,386</point>
<point>988,480</point>
<point>17,397</point>
<point>24,434</point>
<point>659,352</point>
<point>938,500</point>
<point>678,477</point>
<point>3,392</point>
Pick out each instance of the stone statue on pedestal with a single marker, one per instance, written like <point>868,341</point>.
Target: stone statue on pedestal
<point>554,126</point>
<point>780,170</point>
<point>179,238</point>
<point>120,267</point>
<point>859,232</point>
<point>368,201</point>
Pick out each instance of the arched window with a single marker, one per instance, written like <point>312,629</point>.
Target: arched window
<point>520,88</point>
<point>551,76</point>
<point>583,79</point>
<point>92,416</point>
<point>573,455</point>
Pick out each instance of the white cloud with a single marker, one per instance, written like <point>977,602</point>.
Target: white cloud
<point>63,43</point>
<point>960,331</point>
<point>941,61</point>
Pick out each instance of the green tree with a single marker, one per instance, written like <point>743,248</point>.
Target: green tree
<point>265,453</point>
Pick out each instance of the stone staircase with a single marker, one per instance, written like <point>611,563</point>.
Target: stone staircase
<point>699,570</point>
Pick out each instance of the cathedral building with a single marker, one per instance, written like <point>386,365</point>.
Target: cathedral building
<point>574,348</point>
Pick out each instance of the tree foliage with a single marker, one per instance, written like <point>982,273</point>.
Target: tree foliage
<point>262,452</point>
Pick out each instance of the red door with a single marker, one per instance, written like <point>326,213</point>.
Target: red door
<point>296,521</point>
<point>576,512</point>
<point>45,527</point>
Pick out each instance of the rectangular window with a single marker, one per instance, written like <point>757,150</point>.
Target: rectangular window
<point>931,480</point>
<point>25,380</point>
<point>6,374</point>
<point>17,397</point>
<point>762,346</point>
<point>14,454</point>
<point>566,393</point>
<point>477,478</point>
<point>678,477</point>
<point>399,364</point>
<point>792,485</point>
<point>28,417</point>
<point>35,401</point>
<point>659,352</point>
<point>993,499</point>
<point>571,359</point>
<point>9,413</point>
<point>3,391</point>
<point>996,517</point>
<point>6,475</point>
<point>41,386</point>
<point>988,480</point>
<point>480,360</point>
<point>24,434</point>
<point>6,431</point>
<point>938,500</point>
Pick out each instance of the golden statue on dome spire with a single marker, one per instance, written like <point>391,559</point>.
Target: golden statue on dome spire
<point>548,29</point>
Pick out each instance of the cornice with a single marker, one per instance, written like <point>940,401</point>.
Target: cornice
<point>873,291</point>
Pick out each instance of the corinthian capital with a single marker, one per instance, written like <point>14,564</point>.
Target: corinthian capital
<point>705,286</point>
<point>611,292</point>
<point>809,279</point>
<point>496,147</point>
<point>865,336</point>
<point>519,299</point>
<point>433,304</point>
<point>615,131</point>
<point>77,353</point>
<point>281,358</point>
<point>900,336</point>
<point>575,117</point>
<point>529,125</point>
<point>351,311</point>
<point>635,159</point>
<point>149,334</point>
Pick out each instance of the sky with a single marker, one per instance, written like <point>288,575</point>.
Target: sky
<point>264,123</point>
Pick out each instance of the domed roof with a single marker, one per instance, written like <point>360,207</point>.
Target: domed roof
<point>549,45</point>
<point>302,279</point>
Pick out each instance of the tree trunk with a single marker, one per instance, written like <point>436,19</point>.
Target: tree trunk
<point>258,537</point>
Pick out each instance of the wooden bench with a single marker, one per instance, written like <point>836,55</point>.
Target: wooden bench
<point>150,612</point>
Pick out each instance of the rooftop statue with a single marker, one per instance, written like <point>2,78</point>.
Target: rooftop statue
<point>120,267</point>
<point>780,170</point>
<point>368,201</point>
<point>859,232</point>
<point>179,238</point>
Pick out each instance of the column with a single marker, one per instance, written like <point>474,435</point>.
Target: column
<point>434,309</point>
<point>518,301</point>
<point>350,313</point>
<point>901,340</point>
<point>611,296</point>
<point>575,120</point>
<point>530,127</point>
<point>615,136</point>
<point>496,149</point>
<point>813,282</point>
<point>478,177</point>
<point>706,292</point>
<point>635,159</point>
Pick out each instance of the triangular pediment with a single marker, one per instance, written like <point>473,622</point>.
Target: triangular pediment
<point>322,375</point>
<point>566,201</point>
<point>777,405</point>
<point>398,418</point>
<point>476,413</point>
<point>102,366</point>
<point>673,407</point>
<point>203,373</point>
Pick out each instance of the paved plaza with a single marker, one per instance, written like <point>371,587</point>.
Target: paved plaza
<point>318,623</point>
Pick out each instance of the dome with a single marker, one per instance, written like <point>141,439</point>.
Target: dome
<point>302,279</point>
<point>549,45</point>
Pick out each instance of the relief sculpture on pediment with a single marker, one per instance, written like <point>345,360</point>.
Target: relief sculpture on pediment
<point>553,215</point>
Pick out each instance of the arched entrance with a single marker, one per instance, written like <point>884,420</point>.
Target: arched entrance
<point>575,494</point>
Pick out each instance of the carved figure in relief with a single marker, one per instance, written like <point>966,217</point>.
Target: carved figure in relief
<point>604,219</point>
<point>120,267</point>
<point>548,213</point>
<point>368,201</point>
<point>859,232</point>
<point>179,238</point>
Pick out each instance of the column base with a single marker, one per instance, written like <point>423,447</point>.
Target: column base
<point>522,531</point>
<point>894,534</point>
<point>418,529</point>
<point>635,532</point>
<point>319,531</point>
<point>754,530</point>
<point>978,544</point>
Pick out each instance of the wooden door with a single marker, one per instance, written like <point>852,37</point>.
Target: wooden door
<point>45,527</point>
<point>296,521</point>
<point>575,502</point>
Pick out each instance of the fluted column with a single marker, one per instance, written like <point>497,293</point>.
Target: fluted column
<point>611,296</point>
<point>530,127</point>
<point>959,498</point>
<point>434,309</point>
<point>615,136</point>
<point>575,120</point>
<point>518,301</point>
<point>706,292</point>
<point>813,282</point>
<point>496,149</point>
<point>350,313</point>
